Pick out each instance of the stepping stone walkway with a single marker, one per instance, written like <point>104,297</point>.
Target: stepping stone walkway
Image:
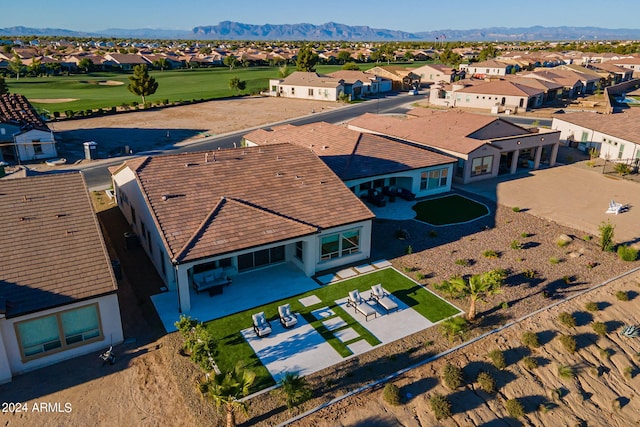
<point>345,335</point>
<point>310,300</point>
<point>334,323</point>
<point>364,268</point>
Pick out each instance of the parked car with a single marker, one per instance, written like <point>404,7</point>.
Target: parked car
<point>375,197</point>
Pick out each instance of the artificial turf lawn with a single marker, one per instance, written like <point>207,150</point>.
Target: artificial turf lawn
<point>232,346</point>
<point>449,210</point>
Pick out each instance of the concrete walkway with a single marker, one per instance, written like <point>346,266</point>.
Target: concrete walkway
<point>570,196</point>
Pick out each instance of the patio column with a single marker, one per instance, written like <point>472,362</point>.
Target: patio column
<point>184,298</point>
<point>536,161</point>
<point>514,162</point>
<point>309,256</point>
<point>554,154</point>
<point>5,369</point>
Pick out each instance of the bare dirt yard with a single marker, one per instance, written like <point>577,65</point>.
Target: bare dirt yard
<point>152,383</point>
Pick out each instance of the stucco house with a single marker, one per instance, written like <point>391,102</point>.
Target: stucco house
<point>615,136</point>
<point>485,146</point>
<point>434,73</point>
<point>401,78</point>
<point>632,64</point>
<point>359,83</point>
<point>124,61</point>
<point>57,290</point>
<point>237,211</point>
<point>488,68</point>
<point>364,161</point>
<point>24,136</point>
<point>310,85</point>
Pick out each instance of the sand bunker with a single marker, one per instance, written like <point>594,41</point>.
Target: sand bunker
<point>110,83</point>
<point>53,100</point>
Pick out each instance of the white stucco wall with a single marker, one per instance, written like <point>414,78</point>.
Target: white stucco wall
<point>302,92</point>
<point>610,146</point>
<point>24,142</point>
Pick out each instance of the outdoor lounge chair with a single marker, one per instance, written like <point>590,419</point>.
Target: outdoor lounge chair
<point>615,208</point>
<point>381,297</point>
<point>261,325</point>
<point>287,318</point>
<point>360,305</point>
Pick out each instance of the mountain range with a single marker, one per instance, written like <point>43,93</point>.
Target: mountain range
<point>228,30</point>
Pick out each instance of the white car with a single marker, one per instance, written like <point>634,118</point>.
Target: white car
<point>414,92</point>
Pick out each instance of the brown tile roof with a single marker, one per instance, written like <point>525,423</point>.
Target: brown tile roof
<point>351,154</point>
<point>127,58</point>
<point>451,131</point>
<point>621,125</point>
<point>51,245</point>
<point>270,193</point>
<point>502,87</point>
<point>302,78</point>
<point>350,76</point>
<point>536,83</point>
<point>15,109</point>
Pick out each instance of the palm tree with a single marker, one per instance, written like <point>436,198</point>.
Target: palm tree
<point>226,388</point>
<point>295,389</point>
<point>478,287</point>
<point>453,326</point>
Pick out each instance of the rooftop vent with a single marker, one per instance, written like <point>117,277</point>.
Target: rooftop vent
<point>324,147</point>
<point>278,174</point>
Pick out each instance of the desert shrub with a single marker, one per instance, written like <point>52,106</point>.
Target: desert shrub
<point>566,372</point>
<point>504,305</point>
<point>628,372</point>
<point>295,389</point>
<point>514,408</point>
<point>569,343</point>
<point>515,209</point>
<point>586,238</point>
<point>605,353</point>
<point>497,358</point>
<point>567,319</point>
<point>454,327</point>
<point>451,376</point>
<point>622,296</point>
<point>622,169</point>
<point>524,235</point>
<point>530,274</point>
<point>516,245</point>
<point>391,394</point>
<point>463,262</point>
<point>486,382</point>
<point>491,254</point>
<point>409,250</point>
<point>554,260</point>
<point>599,328</point>
<point>591,306</point>
<point>530,339</point>
<point>562,243</point>
<point>441,406</point>
<point>627,253</point>
<point>530,363</point>
<point>606,230</point>
<point>420,276</point>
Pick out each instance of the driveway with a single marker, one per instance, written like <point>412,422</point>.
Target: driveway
<point>571,196</point>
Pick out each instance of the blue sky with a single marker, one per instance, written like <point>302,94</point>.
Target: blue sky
<point>424,15</point>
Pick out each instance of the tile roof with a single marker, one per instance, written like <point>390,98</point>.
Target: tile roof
<point>350,76</point>
<point>51,245</point>
<point>451,131</point>
<point>502,87</point>
<point>351,154</point>
<point>621,125</point>
<point>211,203</point>
<point>302,78</point>
<point>16,109</point>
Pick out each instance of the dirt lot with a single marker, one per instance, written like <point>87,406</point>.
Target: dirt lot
<point>153,384</point>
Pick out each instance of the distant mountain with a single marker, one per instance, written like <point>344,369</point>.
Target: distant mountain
<point>228,30</point>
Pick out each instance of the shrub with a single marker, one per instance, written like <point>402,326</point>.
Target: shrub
<point>627,253</point>
<point>606,230</point>
<point>622,169</point>
<point>420,276</point>
<point>586,238</point>
<point>462,261</point>
<point>515,209</point>
<point>566,372</point>
<point>628,372</point>
<point>409,250</point>
<point>441,406</point>
<point>592,306</point>
<point>295,388</point>
<point>453,327</point>
<point>622,296</point>
<point>524,235</point>
<point>605,353</point>
<point>514,408</point>
<point>491,254</point>
<point>486,382</point>
<point>451,376</point>
<point>599,328</point>
<point>516,244</point>
<point>569,343</point>
<point>530,363</point>
<point>591,264</point>
<point>391,394</point>
<point>530,274</point>
<point>562,243</point>
<point>497,358</point>
<point>567,319</point>
<point>554,260</point>
<point>530,339</point>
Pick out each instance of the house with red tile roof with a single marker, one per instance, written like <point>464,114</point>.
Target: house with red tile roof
<point>485,146</point>
<point>24,135</point>
<point>231,212</point>
<point>365,161</point>
<point>57,289</point>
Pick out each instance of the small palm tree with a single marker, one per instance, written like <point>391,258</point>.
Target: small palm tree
<point>226,388</point>
<point>478,287</point>
<point>453,327</point>
<point>295,388</point>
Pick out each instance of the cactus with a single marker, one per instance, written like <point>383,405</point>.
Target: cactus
<point>630,331</point>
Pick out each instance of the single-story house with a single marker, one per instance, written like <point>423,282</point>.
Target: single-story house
<point>310,85</point>
<point>485,146</point>
<point>24,135</point>
<point>615,136</point>
<point>433,73</point>
<point>124,61</point>
<point>488,68</point>
<point>368,83</point>
<point>236,211</point>
<point>365,161</point>
<point>632,64</point>
<point>57,290</point>
<point>401,78</point>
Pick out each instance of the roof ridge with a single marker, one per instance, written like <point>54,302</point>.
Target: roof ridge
<point>270,211</point>
<point>207,219</point>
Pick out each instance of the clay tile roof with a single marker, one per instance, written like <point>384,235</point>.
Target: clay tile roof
<point>311,79</point>
<point>501,87</point>
<point>351,154</point>
<point>15,109</point>
<point>270,194</point>
<point>51,245</point>
<point>621,125</point>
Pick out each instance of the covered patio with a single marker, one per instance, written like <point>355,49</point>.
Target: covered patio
<point>247,290</point>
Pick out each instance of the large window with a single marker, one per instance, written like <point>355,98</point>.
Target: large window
<point>260,258</point>
<point>339,245</point>
<point>434,179</point>
<point>481,165</point>
<point>59,331</point>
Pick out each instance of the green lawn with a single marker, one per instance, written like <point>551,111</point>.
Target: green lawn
<point>233,347</point>
<point>449,210</point>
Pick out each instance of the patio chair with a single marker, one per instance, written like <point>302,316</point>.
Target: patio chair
<point>615,208</point>
<point>360,305</point>
<point>261,325</point>
<point>287,318</point>
<point>381,297</point>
